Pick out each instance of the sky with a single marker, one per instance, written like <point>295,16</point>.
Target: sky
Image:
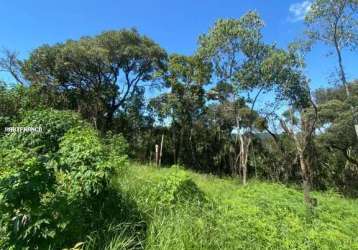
<point>174,24</point>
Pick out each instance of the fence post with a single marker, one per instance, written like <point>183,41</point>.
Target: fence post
<point>157,155</point>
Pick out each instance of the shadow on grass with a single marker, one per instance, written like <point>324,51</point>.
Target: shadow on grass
<point>120,224</point>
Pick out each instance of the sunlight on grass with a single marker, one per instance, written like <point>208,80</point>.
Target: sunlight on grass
<point>232,216</point>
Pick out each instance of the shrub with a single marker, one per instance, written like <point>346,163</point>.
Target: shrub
<point>9,106</point>
<point>25,179</point>
<point>56,189</point>
<point>5,121</point>
<point>117,149</point>
<point>54,125</point>
<point>116,144</point>
<point>81,147</point>
<point>177,187</point>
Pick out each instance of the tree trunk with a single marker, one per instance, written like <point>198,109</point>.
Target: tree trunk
<point>245,142</point>
<point>193,149</point>
<point>234,161</point>
<point>305,179</point>
<point>108,120</point>
<point>345,84</point>
<point>342,74</point>
<point>180,155</point>
<point>174,144</point>
<point>306,192</point>
<point>157,155</point>
<point>302,140</point>
<point>161,150</point>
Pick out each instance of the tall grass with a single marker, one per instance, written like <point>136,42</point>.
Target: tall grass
<point>215,213</point>
<point>116,237</point>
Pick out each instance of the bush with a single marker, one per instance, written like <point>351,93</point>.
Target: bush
<point>117,149</point>
<point>116,144</point>
<point>24,181</point>
<point>81,147</point>
<point>5,121</point>
<point>55,186</point>
<point>177,187</point>
<point>9,106</point>
<point>54,125</point>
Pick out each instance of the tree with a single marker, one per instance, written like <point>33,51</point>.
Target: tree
<point>236,50</point>
<point>184,104</point>
<point>334,118</point>
<point>335,23</point>
<point>8,107</point>
<point>299,121</point>
<point>134,121</point>
<point>96,75</point>
<point>338,145</point>
<point>300,125</point>
<point>11,64</point>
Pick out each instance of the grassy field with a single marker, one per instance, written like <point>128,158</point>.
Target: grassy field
<point>185,210</point>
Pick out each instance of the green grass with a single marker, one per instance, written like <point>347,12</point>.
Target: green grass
<point>186,210</point>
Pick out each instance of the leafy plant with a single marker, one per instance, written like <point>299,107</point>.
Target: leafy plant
<point>177,187</point>
<point>54,124</point>
<point>56,199</point>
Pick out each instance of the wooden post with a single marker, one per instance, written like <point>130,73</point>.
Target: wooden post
<point>161,150</point>
<point>156,155</point>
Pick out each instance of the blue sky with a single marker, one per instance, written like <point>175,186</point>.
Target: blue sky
<point>174,24</point>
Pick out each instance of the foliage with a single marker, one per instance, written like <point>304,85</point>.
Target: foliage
<point>53,124</point>
<point>177,187</point>
<point>184,104</point>
<point>333,21</point>
<point>95,75</point>
<point>338,145</point>
<point>238,106</point>
<point>22,185</point>
<point>8,106</point>
<point>55,200</point>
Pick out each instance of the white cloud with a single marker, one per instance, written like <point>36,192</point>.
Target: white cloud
<point>298,11</point>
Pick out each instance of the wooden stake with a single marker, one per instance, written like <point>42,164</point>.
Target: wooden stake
<point>161,150</point>
<point>157,155</point>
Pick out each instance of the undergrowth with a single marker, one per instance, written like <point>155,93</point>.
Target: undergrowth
<point>185,210</point>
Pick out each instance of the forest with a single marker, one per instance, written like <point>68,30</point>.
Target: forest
<point>111,142</point>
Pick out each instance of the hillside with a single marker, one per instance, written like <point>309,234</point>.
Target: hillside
<point>185,210</point>
<point>250,110</point>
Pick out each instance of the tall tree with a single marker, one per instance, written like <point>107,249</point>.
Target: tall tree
<point>335,23</point>
<point>10,63</point>
<point>299,121</point>
<point>96,75</point>
<point>184,104</point>
<point>338,144</point>
<point>235,48</point>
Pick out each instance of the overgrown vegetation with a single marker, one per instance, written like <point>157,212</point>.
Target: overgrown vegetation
<point>232,216</point>
<point>55,186</point>
<point>240,111</point>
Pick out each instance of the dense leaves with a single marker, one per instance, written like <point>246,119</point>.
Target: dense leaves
<point>239,106</point>
<point>95,75</point>
<point>55,186</point>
